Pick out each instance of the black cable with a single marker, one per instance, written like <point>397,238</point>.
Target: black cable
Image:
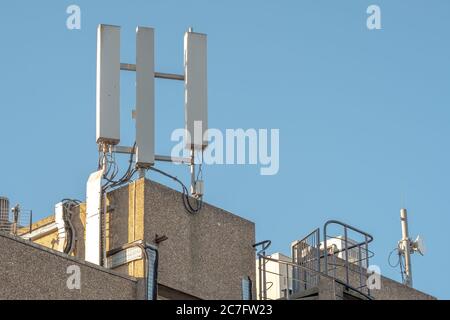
<point>68,206</point>
<point>75,201</point>
<point>185,194</point>
<point>125,178</point>
<point>389,259</point>
<point>399,263</point>
<point>401,268</point>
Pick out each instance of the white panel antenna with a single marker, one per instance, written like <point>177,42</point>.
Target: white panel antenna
<point>145,97</point>
<point>108,85</point>
<point>196,88</point>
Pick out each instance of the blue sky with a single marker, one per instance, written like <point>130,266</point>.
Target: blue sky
<point>364,116</point>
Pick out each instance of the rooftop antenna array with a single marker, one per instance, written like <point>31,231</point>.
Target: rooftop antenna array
<point>142,154</point>
<point>406,247</point>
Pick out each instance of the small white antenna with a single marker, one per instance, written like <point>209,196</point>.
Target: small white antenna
<point>419,246</point>
<point>406,247</point>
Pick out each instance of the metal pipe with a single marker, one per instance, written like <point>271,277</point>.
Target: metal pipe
<point>360,267</point>
<point>262,270</point>
<point>169,76</point>
<point>260,277</point>
<point>103,208</point>
<point>129,150</point>
<point>317,245</point>
<point>366,250</point>
<point>325,248</point>
<point>288,296</point>
<point>347,266</point>
<point>31,221</point>
<point>264,276</point>
<point>160,75</point>
<point>369,237</point>
<point>405,246</point>
<point>193,179</point>
<point>172,159</point>
<point>141,173</point>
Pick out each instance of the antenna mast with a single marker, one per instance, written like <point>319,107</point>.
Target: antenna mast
<point>142,153</point>
<point>405,247</point>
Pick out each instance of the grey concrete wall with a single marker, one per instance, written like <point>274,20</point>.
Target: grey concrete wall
<point>390,289</point>
<point>206,254</point>
<point>30,271</point>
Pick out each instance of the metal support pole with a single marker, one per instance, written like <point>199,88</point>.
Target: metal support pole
<point>366,250</point>
<point>264,277</point>
<point>105,149</point>
<point>16,214</point>
<point>31,221</point>
<point>288,296</point>
<point>405,247</point>
<point>193,171</point>
<point>325,249</point>
<point>347,266</point>
<point>361,282</point>
<point>141,173</point>
<point>260,278</point>
<point>103,209</point>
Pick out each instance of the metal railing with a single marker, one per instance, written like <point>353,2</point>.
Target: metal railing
<point>348,256</point>
<point>17,223</point>
<point>263,260</point>
<point>262,280</point>
<point>306,252</point>
<point>346,264</point>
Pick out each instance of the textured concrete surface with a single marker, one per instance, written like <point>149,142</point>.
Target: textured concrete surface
<point>206,254</point>
<point>31,271</point>
<point>390,289</point>
<point>205,257</point>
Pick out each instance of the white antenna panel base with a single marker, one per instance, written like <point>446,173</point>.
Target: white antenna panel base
<point>145,97</point>
<point>196,90</point>
<point>108,84</point>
